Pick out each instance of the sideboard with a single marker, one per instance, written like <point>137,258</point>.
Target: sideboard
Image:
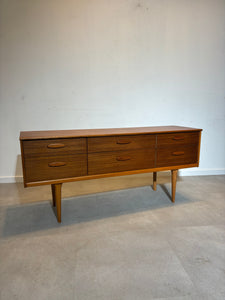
<point>56,157</point>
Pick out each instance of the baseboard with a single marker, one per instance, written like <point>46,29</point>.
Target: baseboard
<point>201,172</point>
<point>182,172</point>
<point>11,179</point>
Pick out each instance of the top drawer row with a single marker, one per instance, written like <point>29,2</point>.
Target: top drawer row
<point>95,144</point>
<point>105,143</point>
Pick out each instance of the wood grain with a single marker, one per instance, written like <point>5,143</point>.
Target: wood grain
<point>199,145</point>
<point>55,145</point>
<point>173,155</point>
<point>23,163</point>
<point>177,138</point>
<point>57,195</point>
<point>38,169</point>
<point>154,181</point>
<point>115,143</point>
<point>40,148</point>
<point>52,134</point>
<point>98,176</point>
<point>174,183</point>
<point>57,164</point>
<point>55,157</point>
<point>116,161</point>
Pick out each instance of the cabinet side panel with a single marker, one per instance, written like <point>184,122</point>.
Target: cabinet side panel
<point>23,163</point>
<point>199,146</point>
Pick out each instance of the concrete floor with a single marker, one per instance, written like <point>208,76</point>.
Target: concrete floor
<point>123,244</point>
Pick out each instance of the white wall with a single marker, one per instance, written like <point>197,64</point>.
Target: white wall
<point>100,63</point>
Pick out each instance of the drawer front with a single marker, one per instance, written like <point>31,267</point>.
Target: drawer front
<point>124,142</point>
<point>177,155</point>
<point>58,167</point>
<point>51,147</point>
<point>177,138</point>
<point>118,161</point>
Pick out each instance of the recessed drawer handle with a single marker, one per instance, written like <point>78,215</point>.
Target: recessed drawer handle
<point>56,145</point>
<point>123,142</point>
<point>178,153</point>
<point>178,138</point>
<point>123,158</point>
<point>57,164</point>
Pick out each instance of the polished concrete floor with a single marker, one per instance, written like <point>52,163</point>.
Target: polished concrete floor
<point>131,243</point>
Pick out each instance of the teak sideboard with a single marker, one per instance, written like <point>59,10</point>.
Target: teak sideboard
<point>55,157</point>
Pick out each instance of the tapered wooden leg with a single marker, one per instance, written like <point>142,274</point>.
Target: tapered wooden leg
<point>174,181</point>
<point>53,194</point>
<point>56,192</point>
<point>154,181</point>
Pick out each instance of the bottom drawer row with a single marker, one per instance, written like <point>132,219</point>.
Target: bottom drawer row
<point>46,168</point>
<point>41,169</point>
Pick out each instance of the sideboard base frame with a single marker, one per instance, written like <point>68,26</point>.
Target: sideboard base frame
<point>57,157</point>
<point>57,191</point>
<point>116,174</point>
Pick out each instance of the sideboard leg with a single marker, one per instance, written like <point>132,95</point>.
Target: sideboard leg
<point>154,181</point>
<point>53,194</point>
<point>56,192</point>
<point>174,181</point>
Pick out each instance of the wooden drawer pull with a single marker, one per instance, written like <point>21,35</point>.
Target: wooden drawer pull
<point>123,142</point>
<point>178,138</point>
<point>57,164</point>
<point>56,145</point>
<point>178,153</point>
<point>123,158</point>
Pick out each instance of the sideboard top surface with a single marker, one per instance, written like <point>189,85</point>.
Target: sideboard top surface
<point>52,134</point>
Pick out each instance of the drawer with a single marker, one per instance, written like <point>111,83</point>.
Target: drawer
<point>124,142</point>
<point>49,147</point>
<point>118,161</point>
<point>58,167</point>
<point>177,138</point>
<point>177,155</point>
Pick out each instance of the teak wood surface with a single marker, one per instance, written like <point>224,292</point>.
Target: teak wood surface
<point>51,134</point>
<point>55,157</point>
